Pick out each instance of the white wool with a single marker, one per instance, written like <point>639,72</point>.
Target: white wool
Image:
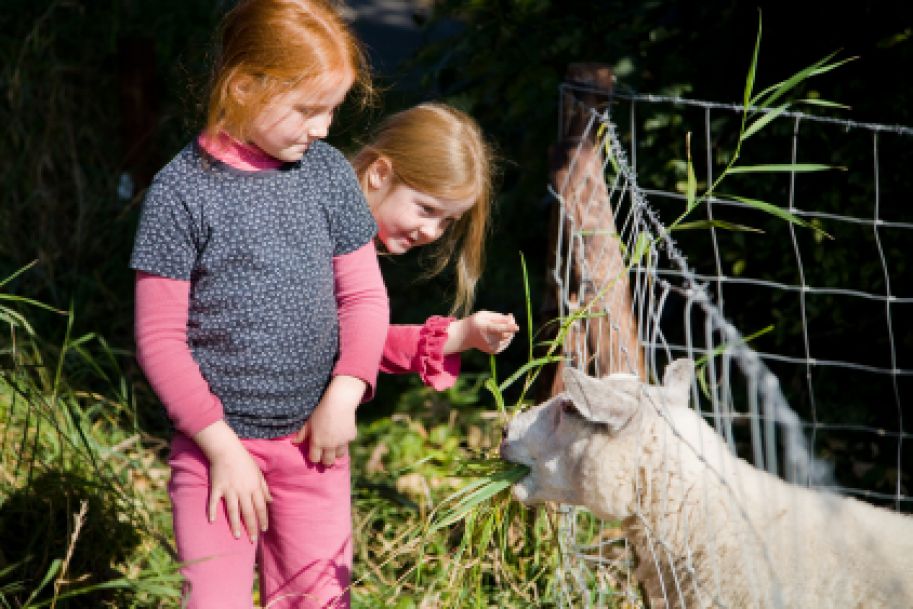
<point>709,529</point>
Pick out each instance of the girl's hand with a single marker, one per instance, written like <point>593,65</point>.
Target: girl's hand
<point>235,478</point>
<point>483,330</point>
<point>331,426</point>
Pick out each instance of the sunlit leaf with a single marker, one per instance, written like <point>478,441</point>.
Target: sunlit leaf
<point>781,168</point>
<point>763,120</point>
<point>823,103</point>
<point>722,224</point>
<point>778,212</point>
<point>753,68</point>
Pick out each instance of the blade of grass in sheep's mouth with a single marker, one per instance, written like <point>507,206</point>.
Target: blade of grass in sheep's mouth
<point>501,475</point>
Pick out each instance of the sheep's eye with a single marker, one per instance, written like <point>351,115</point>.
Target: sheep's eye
<point>568,408</point>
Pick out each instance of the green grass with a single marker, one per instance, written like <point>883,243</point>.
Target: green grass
<point>414,540</point>
<point>83,511</point>
<point>85,517</point>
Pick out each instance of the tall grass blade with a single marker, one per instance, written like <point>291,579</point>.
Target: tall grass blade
<point>18,272</point>
<point>489,487</point>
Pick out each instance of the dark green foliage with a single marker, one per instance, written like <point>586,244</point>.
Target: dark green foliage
<point>507,58</point>
<point>36,526</point>
<point>504,67</point>
<point>90,90</point>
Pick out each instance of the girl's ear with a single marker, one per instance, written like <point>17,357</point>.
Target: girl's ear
<point>380,172</point>
<point>240,87</point>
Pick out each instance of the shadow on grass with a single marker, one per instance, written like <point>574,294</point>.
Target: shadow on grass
<point>36,527</point>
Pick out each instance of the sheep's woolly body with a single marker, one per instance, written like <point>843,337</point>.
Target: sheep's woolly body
<point>711,530</point>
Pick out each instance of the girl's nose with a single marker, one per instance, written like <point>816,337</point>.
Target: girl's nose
<point>320,125</point>
<point>431,230</point>
<point>428,232</point>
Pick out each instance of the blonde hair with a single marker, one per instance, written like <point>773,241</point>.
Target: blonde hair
<point>279,45</point>
<point>440,151</point>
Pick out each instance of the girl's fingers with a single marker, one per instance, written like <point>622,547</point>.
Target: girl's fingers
<point>329,457</point>
<point>302,434</point>
<point>249,517</point>
<point>314,453</point>
<point>214,500</point>
<point>264,489</point>
<point>342,451</point>
<point>259,502</point>
<point>234,518</point>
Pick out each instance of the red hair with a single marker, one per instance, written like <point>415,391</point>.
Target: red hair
<point>269,47</point>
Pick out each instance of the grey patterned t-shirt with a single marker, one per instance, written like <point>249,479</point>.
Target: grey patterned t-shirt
<point>257,248</point>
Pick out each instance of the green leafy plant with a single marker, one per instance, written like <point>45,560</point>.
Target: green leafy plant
<point>82,499</point>
<point>758,111</point>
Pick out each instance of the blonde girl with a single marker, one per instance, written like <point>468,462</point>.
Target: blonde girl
<point>427,177</point>
<point>248,326</point>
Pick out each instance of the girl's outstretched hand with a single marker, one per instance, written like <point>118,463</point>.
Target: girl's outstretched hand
<point>236,478</point>
<point>483,330</point>
<point>331,426</point>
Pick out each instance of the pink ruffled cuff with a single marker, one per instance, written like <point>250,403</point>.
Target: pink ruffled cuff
<point>436,370</point>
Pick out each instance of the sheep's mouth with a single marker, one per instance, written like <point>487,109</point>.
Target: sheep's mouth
<point>520,477</point>
<point>522,489</point>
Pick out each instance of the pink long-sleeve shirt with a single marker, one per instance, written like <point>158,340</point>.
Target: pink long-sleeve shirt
<point>161,313</point>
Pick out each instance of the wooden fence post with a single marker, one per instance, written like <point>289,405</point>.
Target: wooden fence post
<point>607,343</point>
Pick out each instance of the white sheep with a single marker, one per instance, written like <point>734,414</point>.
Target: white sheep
<point>709,529</point>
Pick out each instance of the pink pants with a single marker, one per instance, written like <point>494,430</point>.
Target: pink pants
<point>305,557</point>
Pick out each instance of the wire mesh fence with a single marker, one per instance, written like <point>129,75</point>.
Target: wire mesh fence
<point>802,336</point>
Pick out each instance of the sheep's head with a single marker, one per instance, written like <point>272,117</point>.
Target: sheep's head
<point>559,439</point>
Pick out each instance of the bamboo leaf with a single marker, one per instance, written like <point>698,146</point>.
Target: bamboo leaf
<point>753,69</point>
<point>778,90</point>
<point>722,347</point>
<point>823,103</point>
<point>722,224</point>
<point>465,490</point>
<point>701,363</point>
<point>759,124</point>
<point>782,168</point>
<point>529,310</point>
<point>600,135</point>
<point>702,382</point>
<point>538,362</point>
<point>488,489</point>
<point>779,212</point>
<point>492,386</point>
<point>642,246</point>
<point>691,190</point>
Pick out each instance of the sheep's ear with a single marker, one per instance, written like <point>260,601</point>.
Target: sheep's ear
<point>677,381</point>
<point>612,400</point>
